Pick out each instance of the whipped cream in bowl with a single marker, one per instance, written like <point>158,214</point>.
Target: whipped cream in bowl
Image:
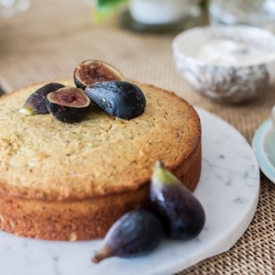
<point>229,64</point>
<point>227,52</point>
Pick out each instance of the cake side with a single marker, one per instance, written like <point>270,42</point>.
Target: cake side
<point>82,219</point>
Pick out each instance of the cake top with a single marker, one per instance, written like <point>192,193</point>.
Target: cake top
<point>43,158</point>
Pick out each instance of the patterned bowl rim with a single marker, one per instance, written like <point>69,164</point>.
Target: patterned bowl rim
<point>249,31</point>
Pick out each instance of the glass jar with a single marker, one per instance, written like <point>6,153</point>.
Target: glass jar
<point>160,15</point>
<point>10,7</point>
<point>259,13</point>
<point>160,11</point>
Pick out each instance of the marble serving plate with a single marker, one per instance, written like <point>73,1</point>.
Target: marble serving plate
<point>228,190</point>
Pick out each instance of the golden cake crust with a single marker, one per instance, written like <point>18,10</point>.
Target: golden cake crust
<point>72,181</point>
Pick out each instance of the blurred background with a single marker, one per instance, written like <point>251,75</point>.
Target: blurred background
<point>42,41</point>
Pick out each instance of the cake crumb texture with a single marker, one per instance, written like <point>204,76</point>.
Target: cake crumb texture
<point>41,157</point>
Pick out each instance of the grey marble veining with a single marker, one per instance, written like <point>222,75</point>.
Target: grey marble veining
<point>228,190</point>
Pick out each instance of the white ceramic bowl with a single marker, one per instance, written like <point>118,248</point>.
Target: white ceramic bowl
<point>264,148</point>
<point>215,61</point>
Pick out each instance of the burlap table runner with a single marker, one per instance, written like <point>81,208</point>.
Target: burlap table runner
<point>49,40</point>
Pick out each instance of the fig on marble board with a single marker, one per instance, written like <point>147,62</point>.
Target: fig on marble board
<point>181,213</point>
<point>136,233</point>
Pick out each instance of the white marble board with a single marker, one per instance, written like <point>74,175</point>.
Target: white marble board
<point>228,190</point>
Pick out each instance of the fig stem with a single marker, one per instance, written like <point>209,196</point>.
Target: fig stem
<point>159,164</point>
<point>26,111</point>
<point>162,175</point>
<point>102,254</point>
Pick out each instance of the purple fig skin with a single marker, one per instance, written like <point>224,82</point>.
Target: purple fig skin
<point>181,213</point>
<point>136,233</point>
<point>36,102</point>
<point>118,98</point>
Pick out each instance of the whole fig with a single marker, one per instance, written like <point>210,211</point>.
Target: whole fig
<point>181,213</point>
<point>136,233</point>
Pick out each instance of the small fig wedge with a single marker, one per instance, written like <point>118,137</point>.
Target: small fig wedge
<point>181,213</point>
<point>136,233</point>
<point>119,98</point>
<point>68,104</point>
<point>92,71</point>
<point>36,102</point>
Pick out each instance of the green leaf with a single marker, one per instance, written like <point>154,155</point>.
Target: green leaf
<point>105,9</point>
<point>105,3</point>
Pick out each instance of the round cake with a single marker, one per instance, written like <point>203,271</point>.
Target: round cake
<point>61,181</point>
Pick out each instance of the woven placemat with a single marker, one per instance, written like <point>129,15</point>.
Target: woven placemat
<point>49,40</point>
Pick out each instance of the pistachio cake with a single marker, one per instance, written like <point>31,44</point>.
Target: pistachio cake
<point>61,181</point>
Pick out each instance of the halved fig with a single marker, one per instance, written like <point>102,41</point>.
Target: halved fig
<point>68,104</point>
<point>92,71</point>
<point>36,102</point>
<point>119,98</point>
